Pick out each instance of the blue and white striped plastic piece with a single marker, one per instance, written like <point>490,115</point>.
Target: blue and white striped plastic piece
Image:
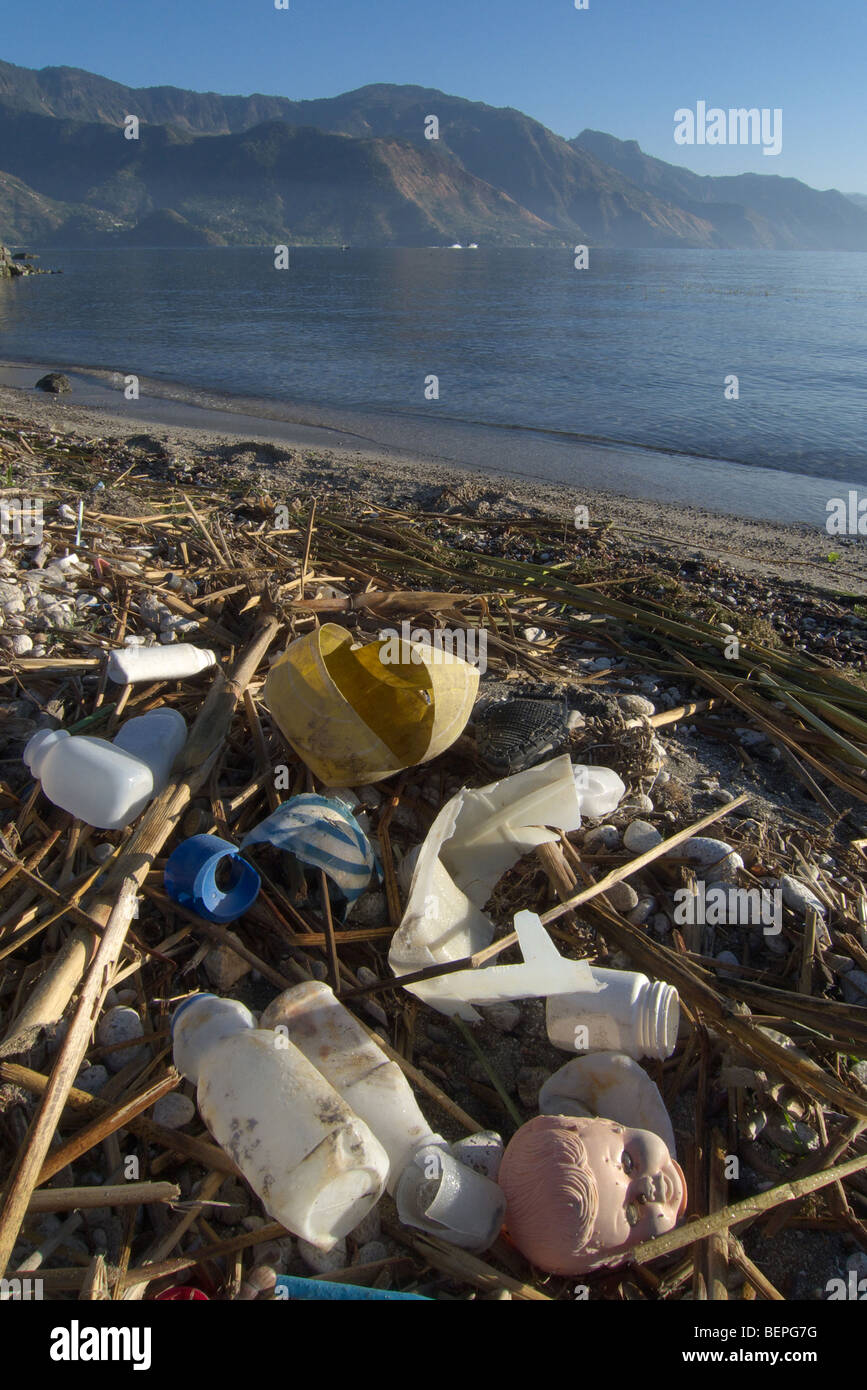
<point>321,831</point>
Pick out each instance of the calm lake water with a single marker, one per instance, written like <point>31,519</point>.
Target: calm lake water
<point>541,367</point>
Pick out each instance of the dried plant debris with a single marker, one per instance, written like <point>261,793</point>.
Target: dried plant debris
<point>694,684</point>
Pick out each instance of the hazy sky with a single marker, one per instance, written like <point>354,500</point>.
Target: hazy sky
<point>622,66</point>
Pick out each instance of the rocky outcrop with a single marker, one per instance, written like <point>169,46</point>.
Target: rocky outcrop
<point>19,264</point>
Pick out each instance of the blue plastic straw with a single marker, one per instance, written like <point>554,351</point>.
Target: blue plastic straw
<point>318,1289</point>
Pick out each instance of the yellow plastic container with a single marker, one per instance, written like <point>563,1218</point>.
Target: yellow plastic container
<point>355,718</point>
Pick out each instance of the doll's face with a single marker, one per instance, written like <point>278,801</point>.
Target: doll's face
<point>641,1188</point>
<point>580,1192</point>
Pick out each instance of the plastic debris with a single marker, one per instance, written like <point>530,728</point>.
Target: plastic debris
<point>322,833</point>
<point>190,879</point>
<point>581,1192</point>
<point>355,715</point>
<point>131,665</point>
<point>610,1085</point>
<point>314,1164</point>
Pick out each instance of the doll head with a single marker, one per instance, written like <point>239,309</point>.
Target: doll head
<point>580,1192</point>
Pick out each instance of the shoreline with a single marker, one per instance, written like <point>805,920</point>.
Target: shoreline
<point>263,449</point>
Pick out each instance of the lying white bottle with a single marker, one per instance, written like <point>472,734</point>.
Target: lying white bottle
<point>155,739</point>
<point>104,784</point>
<point>434,1191</point>
<point>313,1163</point>
<point>129,665</point>
<point>626,1013</point>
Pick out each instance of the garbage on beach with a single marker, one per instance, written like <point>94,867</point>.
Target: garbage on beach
<point>322,833</point>
<point>625,1013</point>
<point>104,784</point>
<point>612,1086</point>
<point>190,879</point>
<point>435,1191</point>
<point>354,716</point>
<point>476,837</point>
<point>131,665</point>
<point>314,1163</point>
<point>581,1192</point>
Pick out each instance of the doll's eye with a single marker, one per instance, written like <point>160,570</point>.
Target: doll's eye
<point>626,1162</point>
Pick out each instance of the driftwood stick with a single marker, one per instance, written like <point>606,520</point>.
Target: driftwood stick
<point>157,824</point>
<point>642,860</point>
<point>122,1194</point>
<point>107,1124</point>
<point>82,1102</point>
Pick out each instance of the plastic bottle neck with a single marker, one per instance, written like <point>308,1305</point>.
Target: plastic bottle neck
<point>202,1022</point>
<point>39,746</point>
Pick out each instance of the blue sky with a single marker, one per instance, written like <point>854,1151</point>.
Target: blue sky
<point>622,66</point>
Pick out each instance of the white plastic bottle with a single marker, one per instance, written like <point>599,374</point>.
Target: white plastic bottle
<point>104,784</point>
<point>434,1191</point>
<point>156,739</point>
<point>627,1014</point>
<point>129,665</point>
<point>313,1163</point>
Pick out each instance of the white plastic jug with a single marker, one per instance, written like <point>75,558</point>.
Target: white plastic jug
<point>104,784</point>
<point>155,739</point>
<point>434,1191</point>
<point>313,1163</point>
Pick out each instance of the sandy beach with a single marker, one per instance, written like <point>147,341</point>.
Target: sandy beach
<point>284,455</point>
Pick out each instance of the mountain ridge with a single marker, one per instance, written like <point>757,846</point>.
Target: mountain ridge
<point>494,174</point>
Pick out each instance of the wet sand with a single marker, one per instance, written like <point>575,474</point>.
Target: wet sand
<point>345,462</point>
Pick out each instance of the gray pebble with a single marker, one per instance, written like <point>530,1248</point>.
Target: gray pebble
<point>174,1110</point>
<point>602,839</point>
<point>622,896</point>
<point>641,836</point>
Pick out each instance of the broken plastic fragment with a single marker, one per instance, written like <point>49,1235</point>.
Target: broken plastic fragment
<point>322,832</point>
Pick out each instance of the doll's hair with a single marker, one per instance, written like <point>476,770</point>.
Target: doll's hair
<point>552,1200</point>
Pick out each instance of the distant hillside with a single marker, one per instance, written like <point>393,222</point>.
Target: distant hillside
<point>358,168</point>
<point>274,183</point>
<point>781,213</point>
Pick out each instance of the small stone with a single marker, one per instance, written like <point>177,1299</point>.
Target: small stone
<point>859,1071</point>
<point>121,1025</point>
<point>174,1110</point>
<point>637,705</point>
<point>529,1083</point>
<point>224,967</point>
<point>660,926</point>
<point>323,1261</point>
<point>854,987</point>
<point>639,802</point>
<point>533,634</point>
<point>622,896</point>
<point>800,898</point>
<point>721,796</point>
<point>56,383</point>
<point>642,910</point>
<point>505,1016</point>
<point>602,839</point>
<point>792,1138</point>
<point>22,644</point>
<point>370,1252</point>
<point>371,910</point>
<point>92,1079</point>
<point>713,855</point>
<point>234,1194</point>
<point>369,1228</point>
<point>640,837</point>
